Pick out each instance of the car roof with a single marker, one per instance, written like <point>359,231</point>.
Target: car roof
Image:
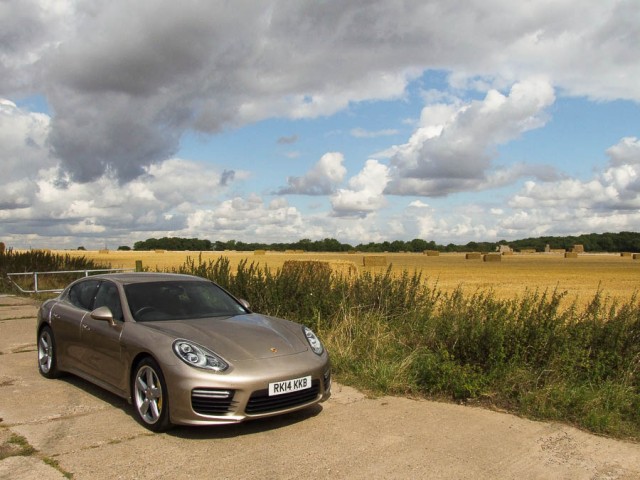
<point>146,277</point>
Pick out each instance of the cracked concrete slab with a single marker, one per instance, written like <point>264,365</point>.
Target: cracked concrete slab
<point>91,434</point>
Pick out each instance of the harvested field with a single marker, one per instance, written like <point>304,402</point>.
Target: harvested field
<point>614,275</point>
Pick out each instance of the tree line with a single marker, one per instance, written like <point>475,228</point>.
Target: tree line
<point>592,242</point>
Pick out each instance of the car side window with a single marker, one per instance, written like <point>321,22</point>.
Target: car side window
<point>82,293</point>
<point>108,296</point>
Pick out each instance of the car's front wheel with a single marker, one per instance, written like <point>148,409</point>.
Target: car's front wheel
<point>47,354</point>
<point>150,398</point>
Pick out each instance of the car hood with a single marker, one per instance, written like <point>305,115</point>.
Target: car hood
<point>241,337</point>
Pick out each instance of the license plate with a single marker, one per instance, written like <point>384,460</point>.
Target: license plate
<point>288,386</point>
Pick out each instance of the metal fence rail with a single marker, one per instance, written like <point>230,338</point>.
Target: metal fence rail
<point>37,274</point>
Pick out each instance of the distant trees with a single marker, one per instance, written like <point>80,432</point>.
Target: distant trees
<point>593,242</point>
<point>173,243</point>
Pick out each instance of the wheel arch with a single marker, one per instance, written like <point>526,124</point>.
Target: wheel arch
<point>164,422</point>
<point>137,359</point>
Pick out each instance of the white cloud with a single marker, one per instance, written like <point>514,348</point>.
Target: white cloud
<point>616,188</point>
<point>127,80</point>
<point>365,192</point>
<point>608,202</point>
<point>452,149</point>
<point>233,218</point>
<point>56,210</point>
<point>23,137</point>
<point>322,179</point>
<point>625,152</point>
<point>362,133</point>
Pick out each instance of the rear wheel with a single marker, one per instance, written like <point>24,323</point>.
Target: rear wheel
<point>47,354</point>
<point>150,398</point>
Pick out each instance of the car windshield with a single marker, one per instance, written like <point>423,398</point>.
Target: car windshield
<point>179,300</point>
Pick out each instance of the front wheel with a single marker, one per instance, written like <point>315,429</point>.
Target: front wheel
<point>47,354</point>
<point>150,398</point>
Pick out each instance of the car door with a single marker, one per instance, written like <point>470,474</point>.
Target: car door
<point>66,321</point>
<point>101,347</point>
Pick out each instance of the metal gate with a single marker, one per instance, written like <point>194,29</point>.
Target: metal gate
<point>37,275</point>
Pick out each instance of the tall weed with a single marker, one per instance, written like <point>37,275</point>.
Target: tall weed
<point>40,261</point>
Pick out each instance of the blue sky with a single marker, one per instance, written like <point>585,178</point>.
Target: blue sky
<point>282,120</point>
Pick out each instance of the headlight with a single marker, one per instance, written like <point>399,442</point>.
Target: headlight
<point>315,344</point>
<point>197,356</point>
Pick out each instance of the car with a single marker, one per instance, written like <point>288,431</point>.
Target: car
<point>180,349</point>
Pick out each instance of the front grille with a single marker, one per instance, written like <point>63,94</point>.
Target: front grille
<point>261,402</point>
<point>209,401</point>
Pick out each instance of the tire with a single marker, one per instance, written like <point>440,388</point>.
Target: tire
<point>47,353</point>
<point>150,397</point>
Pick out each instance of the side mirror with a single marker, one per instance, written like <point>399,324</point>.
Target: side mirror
<point>104,314</point>
<point>244,303</point>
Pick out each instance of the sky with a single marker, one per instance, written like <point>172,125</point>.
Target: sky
<point>275,121</point>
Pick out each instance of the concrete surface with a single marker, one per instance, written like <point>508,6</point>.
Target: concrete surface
<point>84,432</point>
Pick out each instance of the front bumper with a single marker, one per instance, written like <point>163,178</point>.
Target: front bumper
<point>202,397</point>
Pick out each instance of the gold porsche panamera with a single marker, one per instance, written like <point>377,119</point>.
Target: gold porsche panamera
<point>181,349</point>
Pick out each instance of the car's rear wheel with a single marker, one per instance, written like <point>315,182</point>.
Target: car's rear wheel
<point>150,398</point>
<point>47,354</point>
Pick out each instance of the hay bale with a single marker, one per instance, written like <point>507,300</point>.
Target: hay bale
<point>432,253</point>
<point>578,249</point>
<point>260,252</point>
<point>636,256</point>
<point>160,251</point>
<point>571,255</point>
<point>492,257</point>
<point>473,256</point>
<point>626,254</point>
<point>374,261</point>
<point>103,252</point>
<point>507,253</point>
<point>527,250</point>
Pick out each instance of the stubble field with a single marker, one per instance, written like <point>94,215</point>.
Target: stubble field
<point>615,276</point>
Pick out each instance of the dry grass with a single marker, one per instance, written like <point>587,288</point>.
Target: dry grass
<point>614,275</point>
